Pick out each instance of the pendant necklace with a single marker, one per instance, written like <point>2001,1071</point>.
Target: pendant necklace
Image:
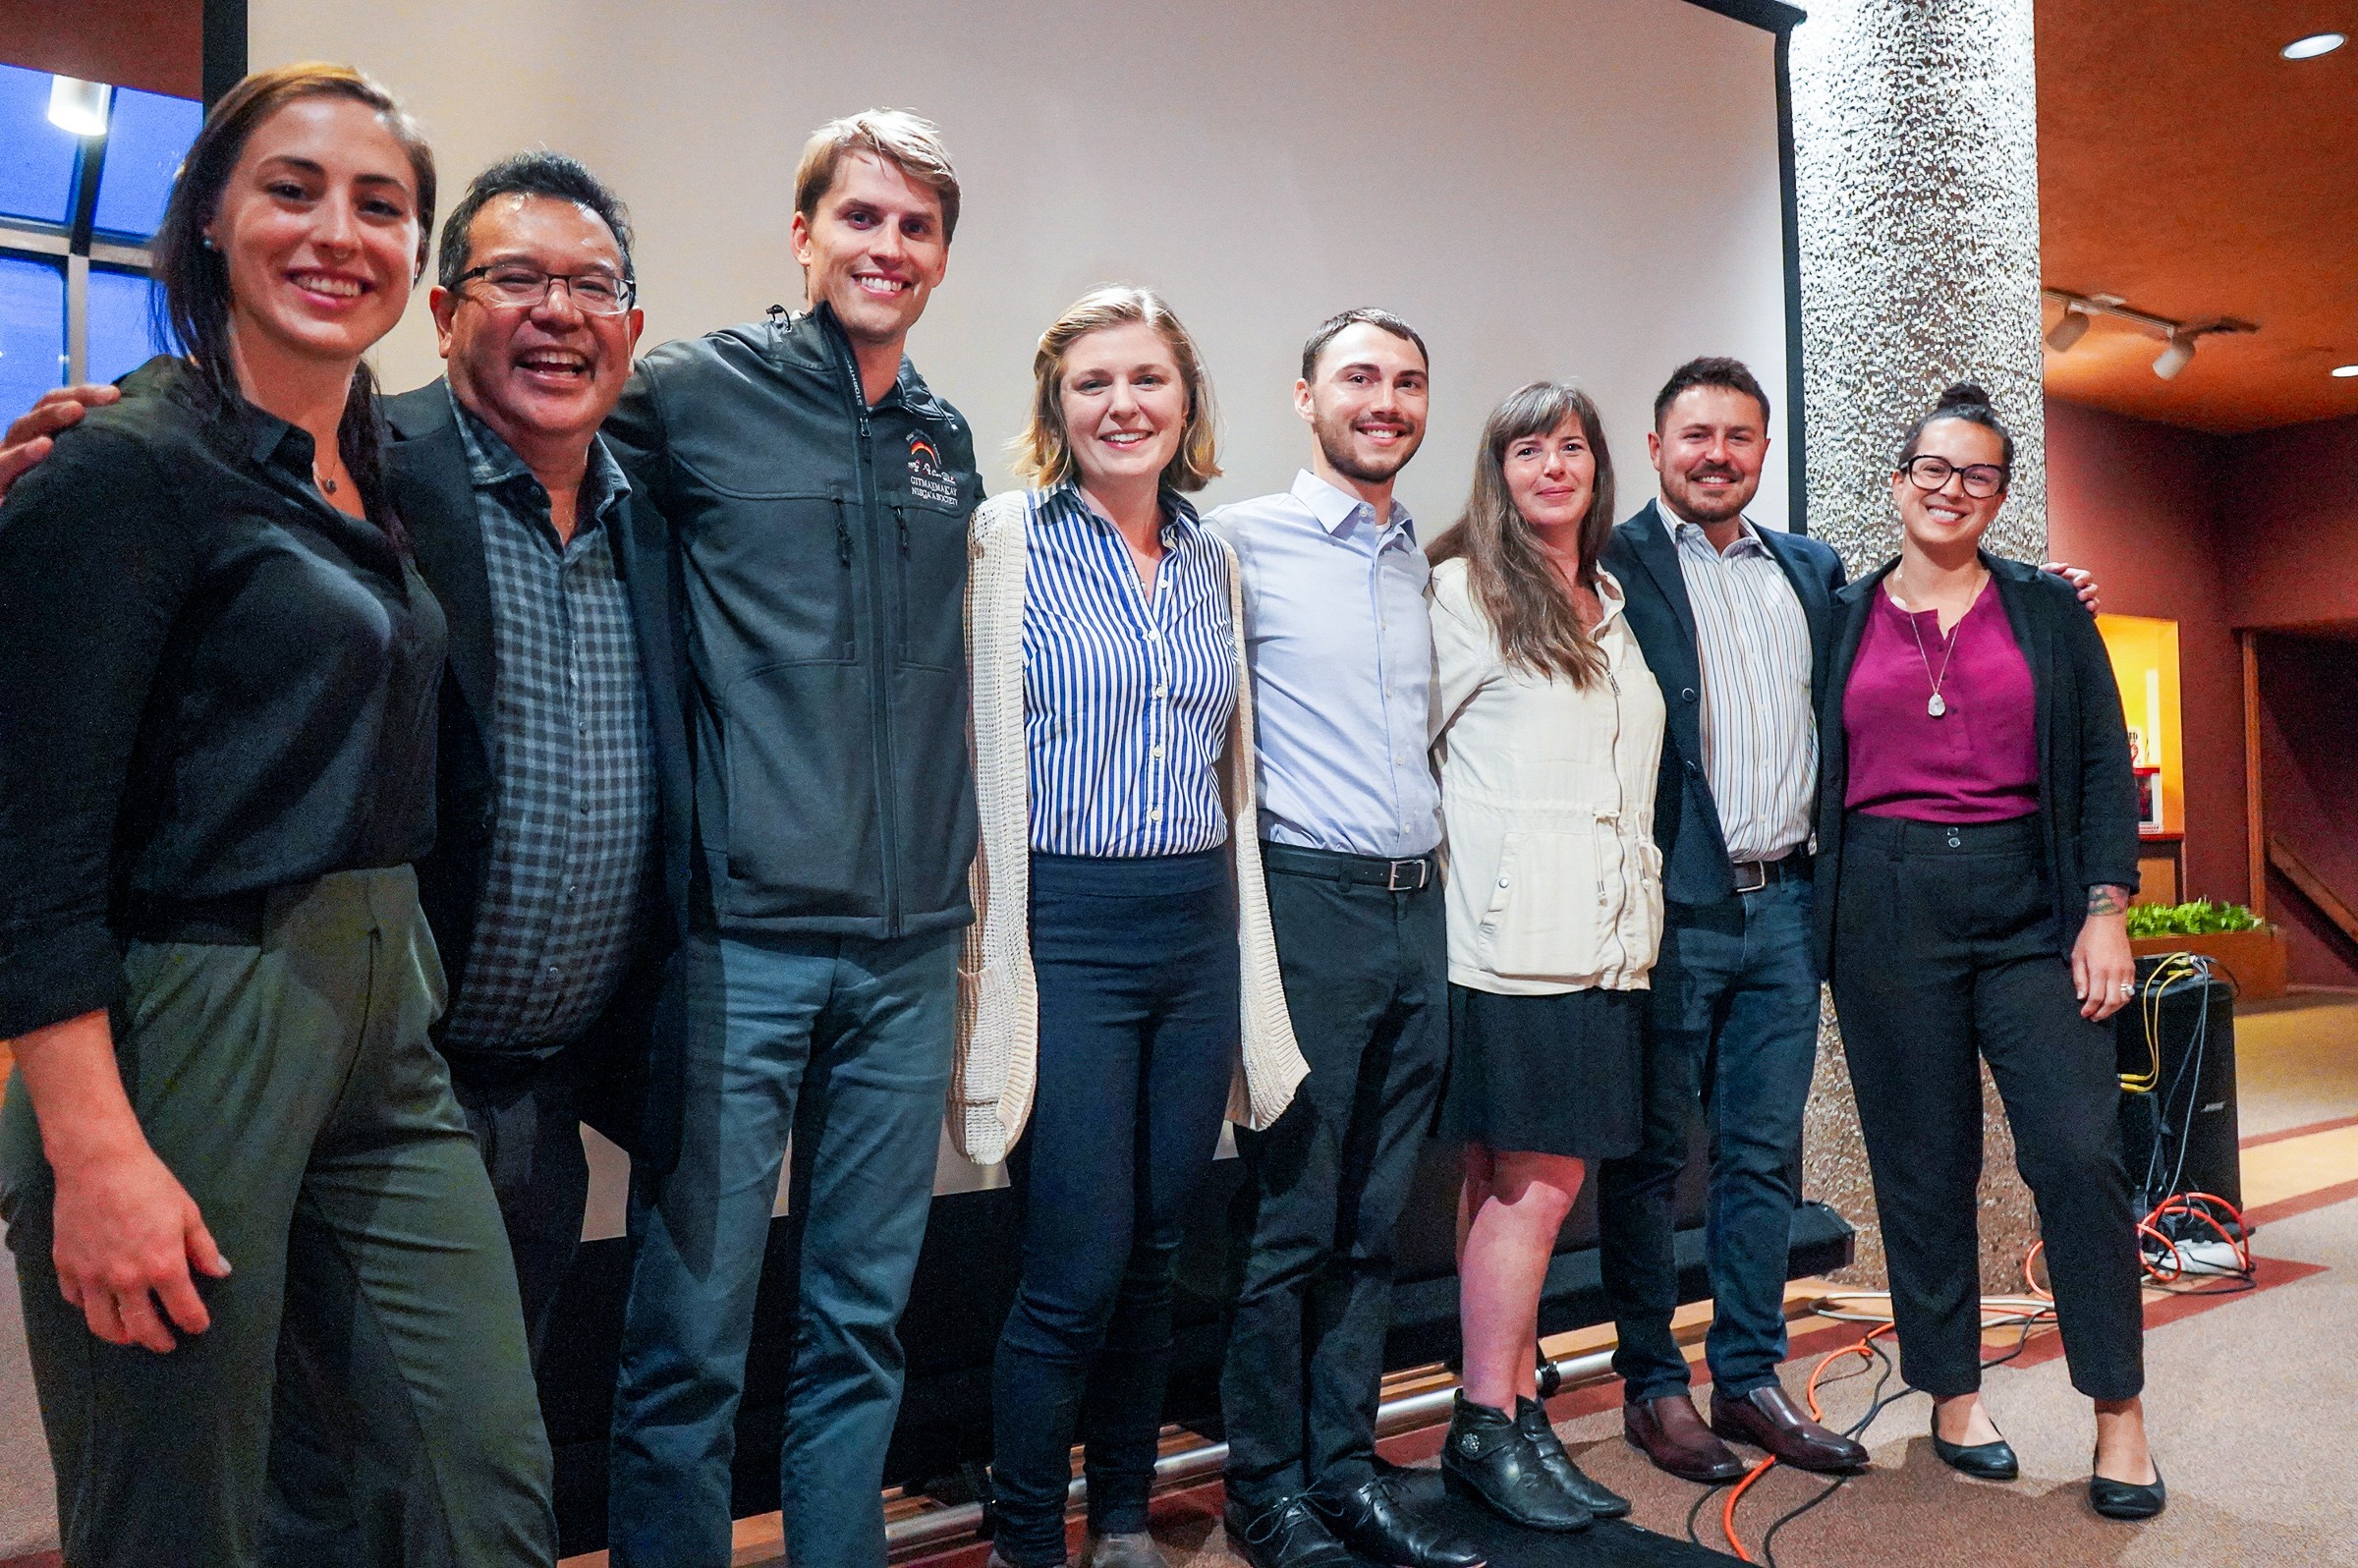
<point>322,480</point>
<point>1938,704</point>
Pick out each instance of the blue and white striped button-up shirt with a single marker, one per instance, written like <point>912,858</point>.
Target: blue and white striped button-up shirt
<point>1760,740</point>
<point>1341,647</point>
<point>1127,696</point>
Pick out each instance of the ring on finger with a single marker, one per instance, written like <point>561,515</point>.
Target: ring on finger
<point>2128,987</point>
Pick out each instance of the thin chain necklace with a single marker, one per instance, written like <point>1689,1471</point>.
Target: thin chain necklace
<point>1936,704</point>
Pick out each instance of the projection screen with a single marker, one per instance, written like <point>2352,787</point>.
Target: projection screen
<point>1582,189</point>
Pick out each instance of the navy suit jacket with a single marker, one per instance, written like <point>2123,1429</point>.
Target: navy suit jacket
<point>1644,558</point>
<point>426,470</point>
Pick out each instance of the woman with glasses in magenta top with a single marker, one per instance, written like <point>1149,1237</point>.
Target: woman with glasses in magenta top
<point>1977,849</point>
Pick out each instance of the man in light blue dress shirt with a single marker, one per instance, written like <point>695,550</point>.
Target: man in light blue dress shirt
<point>1341,654</point>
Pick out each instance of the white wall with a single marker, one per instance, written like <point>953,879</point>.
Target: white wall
<point>1583,188</point>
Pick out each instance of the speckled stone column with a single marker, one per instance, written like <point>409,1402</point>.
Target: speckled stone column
<point>1916,142</point>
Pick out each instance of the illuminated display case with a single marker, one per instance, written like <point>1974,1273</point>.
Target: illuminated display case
<point>2145,663</point>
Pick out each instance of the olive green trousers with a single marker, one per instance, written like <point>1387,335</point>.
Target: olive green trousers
<point>290,1086</point>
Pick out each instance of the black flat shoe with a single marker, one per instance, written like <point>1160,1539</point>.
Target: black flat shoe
<point>1993,1461</point>
<point>2123,1499</point>
<point>1530,1419</point>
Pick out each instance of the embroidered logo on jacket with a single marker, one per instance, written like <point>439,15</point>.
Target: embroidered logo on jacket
<point>927,481</point>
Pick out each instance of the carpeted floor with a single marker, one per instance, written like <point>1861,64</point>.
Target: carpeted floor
<point>2254,1400</point>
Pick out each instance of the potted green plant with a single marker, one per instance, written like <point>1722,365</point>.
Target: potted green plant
<point>2231,936</point>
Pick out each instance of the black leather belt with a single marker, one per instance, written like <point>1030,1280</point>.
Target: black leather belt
<point>1753,875</point>
<point>1411,876</point>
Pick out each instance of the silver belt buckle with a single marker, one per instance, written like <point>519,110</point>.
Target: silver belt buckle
<point>1760,873</point>
<point>1391,882</point>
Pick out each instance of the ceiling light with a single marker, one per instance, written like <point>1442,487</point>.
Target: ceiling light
<point>2173,357</point>
<point>77,106</point>
<point>2312,46</point>
<point>2345,371</point>
<point>2068,329</point>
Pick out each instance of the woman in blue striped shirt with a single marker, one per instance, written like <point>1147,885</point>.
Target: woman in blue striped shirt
<point>1121,955</point>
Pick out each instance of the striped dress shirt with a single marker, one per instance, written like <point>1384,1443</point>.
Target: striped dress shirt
<point>1760,740</point>
<point>1127,695</point>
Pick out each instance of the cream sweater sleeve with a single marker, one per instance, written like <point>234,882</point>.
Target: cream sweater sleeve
<point>996,1065</point>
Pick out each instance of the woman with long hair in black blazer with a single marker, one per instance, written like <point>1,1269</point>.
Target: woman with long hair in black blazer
<point>1977,850</point>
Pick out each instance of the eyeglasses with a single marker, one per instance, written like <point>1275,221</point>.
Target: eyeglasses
<point>1981,479</point>
<point>509,287</point>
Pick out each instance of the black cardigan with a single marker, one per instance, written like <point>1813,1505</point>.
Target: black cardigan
<point>2087,785</point>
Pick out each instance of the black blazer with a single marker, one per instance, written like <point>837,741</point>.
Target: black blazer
<point>1644,558</point>
<point>435,499</point>
<point>2087,785</point>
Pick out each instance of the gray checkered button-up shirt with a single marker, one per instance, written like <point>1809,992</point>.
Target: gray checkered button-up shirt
<point>571,758</point>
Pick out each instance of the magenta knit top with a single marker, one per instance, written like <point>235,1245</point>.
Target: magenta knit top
<point>1977,761</point>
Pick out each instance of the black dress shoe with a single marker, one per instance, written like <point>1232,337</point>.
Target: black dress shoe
<point>1992,1460</point>
<point>1372,1521</point>
<point>1487,1455</point>
<point>1530,1419</point>
<point>2126,1499</point>
<point>1286,1534</point>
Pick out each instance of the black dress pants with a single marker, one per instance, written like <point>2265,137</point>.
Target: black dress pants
<point>1366,972</point>
<point>1946,947</point>
<point>1138,968</point>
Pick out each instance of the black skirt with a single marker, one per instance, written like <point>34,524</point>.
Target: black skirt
<point>1545,1075</point>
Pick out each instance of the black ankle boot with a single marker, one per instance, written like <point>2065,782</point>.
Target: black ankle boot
<point>1530,1419</point>
<point>1489,1455</point>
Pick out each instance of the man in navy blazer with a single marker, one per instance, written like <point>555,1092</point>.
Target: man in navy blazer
<point>1736,623</point>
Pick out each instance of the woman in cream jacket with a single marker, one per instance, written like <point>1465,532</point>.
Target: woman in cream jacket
<point>1121,965</point>
<point>1550,729</point>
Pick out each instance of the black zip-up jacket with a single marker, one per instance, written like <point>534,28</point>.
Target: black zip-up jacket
<point>823,544</point>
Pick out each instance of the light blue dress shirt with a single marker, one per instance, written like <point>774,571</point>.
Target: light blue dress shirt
<point>1341,649</point>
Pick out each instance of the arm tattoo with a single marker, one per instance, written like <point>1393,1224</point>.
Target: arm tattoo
<point>2107,898</point>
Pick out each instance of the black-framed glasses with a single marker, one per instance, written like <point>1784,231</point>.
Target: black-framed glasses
<point>1981,479</point>
<point>510,286</point>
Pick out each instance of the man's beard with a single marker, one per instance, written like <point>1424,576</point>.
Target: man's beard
<point>1334,440</point>
<point>1698,507</point>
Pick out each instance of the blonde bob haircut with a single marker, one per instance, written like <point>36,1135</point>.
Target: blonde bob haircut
<point>908,142</point>
<point>1043,451</point>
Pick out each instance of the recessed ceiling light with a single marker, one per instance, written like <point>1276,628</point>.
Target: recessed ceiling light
<point>2312,46</point>
<point>2345,371</point>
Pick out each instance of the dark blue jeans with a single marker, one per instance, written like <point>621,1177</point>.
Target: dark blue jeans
<point>1733,1030</point>
<point>844,1045</point>
<point>1137,964</point>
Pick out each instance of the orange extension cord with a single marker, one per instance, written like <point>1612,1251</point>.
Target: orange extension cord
<point>2204,1206</point>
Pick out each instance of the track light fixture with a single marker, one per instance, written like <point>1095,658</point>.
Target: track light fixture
<point>2068,329</point>
<point>2177,337</point>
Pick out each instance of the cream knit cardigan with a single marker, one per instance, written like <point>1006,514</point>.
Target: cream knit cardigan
<point>998,1001</point>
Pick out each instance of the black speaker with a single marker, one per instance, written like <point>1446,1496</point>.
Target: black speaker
<point>2177,1108</point>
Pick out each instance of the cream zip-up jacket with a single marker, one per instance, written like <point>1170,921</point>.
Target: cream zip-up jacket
<point>1554,881</point>
<point>997,1064</point>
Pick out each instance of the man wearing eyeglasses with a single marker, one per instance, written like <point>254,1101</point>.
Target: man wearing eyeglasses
<point>543,889</point>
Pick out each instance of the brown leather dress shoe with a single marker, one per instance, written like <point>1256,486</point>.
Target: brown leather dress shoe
<point>1668,1432</point>
<point>1766,1417</point>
